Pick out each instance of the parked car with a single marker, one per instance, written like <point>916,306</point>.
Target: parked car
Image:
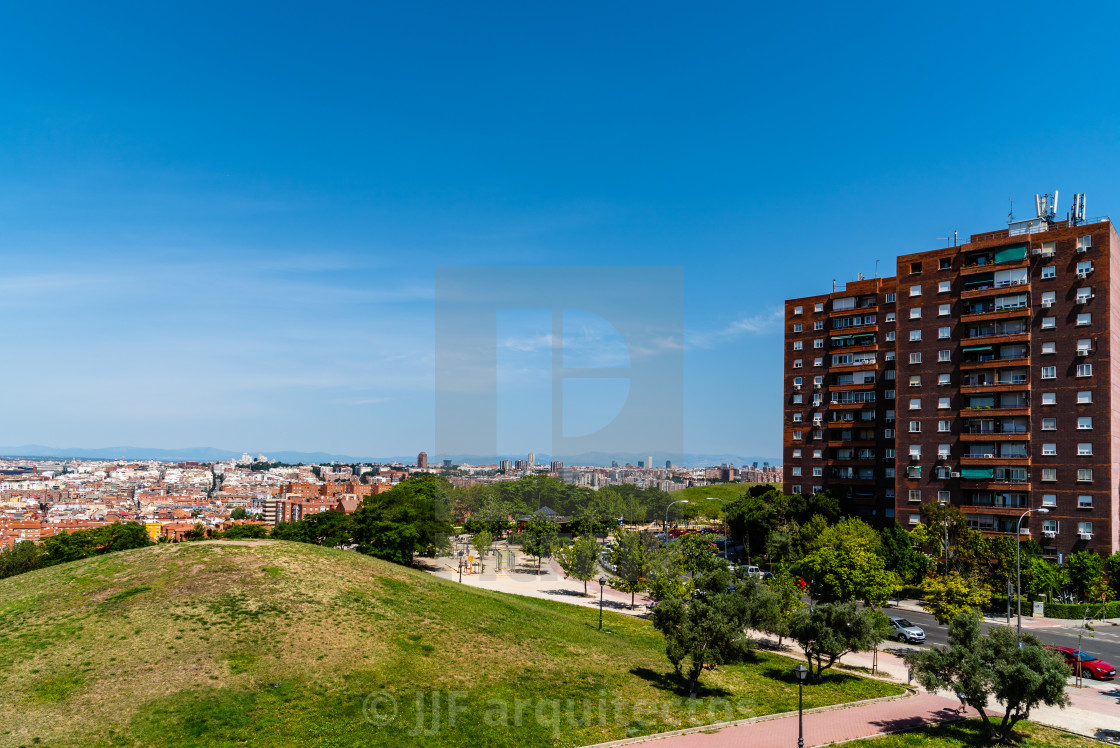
<point>905,631</point>
<point>1091,667</point>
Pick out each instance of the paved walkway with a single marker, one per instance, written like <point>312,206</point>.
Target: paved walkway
<point>821,727</point>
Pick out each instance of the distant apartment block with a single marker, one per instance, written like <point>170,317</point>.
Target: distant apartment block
<point>980,375</point>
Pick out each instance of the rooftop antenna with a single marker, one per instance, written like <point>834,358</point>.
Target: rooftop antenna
<point>1076,214</point>
<point>876,268</point>
<point>833,285</point>
<point>954,237</point>
<point>1011,213</point>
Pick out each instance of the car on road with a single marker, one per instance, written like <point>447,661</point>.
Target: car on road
<point>905,631</point>
<point>1091,667</point>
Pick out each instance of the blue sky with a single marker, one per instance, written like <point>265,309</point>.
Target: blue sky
<point>219,223</point>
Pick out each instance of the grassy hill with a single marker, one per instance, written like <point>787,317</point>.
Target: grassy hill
<point>276,644</point>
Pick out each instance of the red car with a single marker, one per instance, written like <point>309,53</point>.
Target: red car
<point>1091,667</point>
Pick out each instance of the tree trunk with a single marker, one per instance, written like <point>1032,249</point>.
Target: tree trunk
<point>631,599</point>
<point>585,588</point>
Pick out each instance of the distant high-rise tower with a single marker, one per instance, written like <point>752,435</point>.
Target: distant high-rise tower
<point>532,460</point>
<point>556,465</point>
<point>668,464</point>
<point>649,462</point>
<point>422,460</point>
<point>505,465</point>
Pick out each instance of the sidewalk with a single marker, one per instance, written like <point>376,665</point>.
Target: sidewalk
<point>1029,622</point>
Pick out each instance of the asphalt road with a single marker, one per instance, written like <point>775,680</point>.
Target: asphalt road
<point>1105,643</point>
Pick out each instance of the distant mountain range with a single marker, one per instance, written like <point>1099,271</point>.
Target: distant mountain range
<point>212,454</point>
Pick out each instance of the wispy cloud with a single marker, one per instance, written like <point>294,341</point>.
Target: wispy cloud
<point>762,323</point>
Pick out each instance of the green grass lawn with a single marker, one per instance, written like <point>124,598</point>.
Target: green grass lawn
<point>971,732</point>
<point>277,644</point>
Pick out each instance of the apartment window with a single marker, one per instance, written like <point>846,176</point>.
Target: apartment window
<point>818,381</point>
<point>1050,525</point>
<point>1084,370</point>
<point>890,298</point>
<point>915,495</point>
<point>797,399</point>
<point>944,355</point>
<point>915,380</point>
<point>915,403</point>
<point>797,381</point>
<point>915,427</point>
<point>817,472</point>
<point>1049,372</point>
<point>1049,424</point>
<point>817,454</point>
<point>1049,347</point>
<point>818,362</point>
<point>915,336</point>
<point>818,307</point>
<point>888,433</point>
<point>1084,528</point>
<point>1084,449</point>
<point>943,333</point>
<point>1084,501</point>
<point>888,395</point>
<point>890,336</point>
<point>1084,397</point>
<point>1084,268</point>
<point>888,472</point>
<point>916,357</point>
<point>1083,295</point>
<point>1049,450</point>
<point>915,451</point>
<point>943,287</point>
<point>943,497</point>
<point>818,343</point>
<point>1049,398</point>
<point>796,472</point>
<point>1049,499</point>
<point>915,267</point>
<point>1049,474</point>
<point>1049,272</point>
<point>943,451</point>
<point>916,518</point>
<point>916,313</point>
<point>797,418</point>
<point>944,426</point>
<point>797,363</point>
<point>915,290</point>
<point>1049,323</point>
<point>943,379</point>
<point>797,345</point>
<point>795,490</point>
<point>797,327</point>
<point>797,310</point>
<point>797,454</point>
<point>1084,475</point>
<point>945,263</point>
<point>888,356</point>
<point>1084,319</point>
<point>1084,242</point>
<point>817,489</point>
<point>889,376</point>
<point>816,399</point>
<point>818,325</point>
<point>1048,298</point>
<point>1048,249</point>
<point>1084,422</point>
<point>1084,344</point>
<point>890,316</point>
<point>796,434</point>
<point>943,310</point>
<point>943,402</point>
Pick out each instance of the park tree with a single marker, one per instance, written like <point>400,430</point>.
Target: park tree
<point>844,564</point>
<point>239,513</point>
<point>245,532</point>
<point>1085,569</point>
<point>900,557</point>
<point>628,557</point>
<point>1112,569</point>
<point>788,591</point>
<point>579,559</point>
<point>707,629</point>
<point>1042,578</point>
<point>411,518</point>
<point>666,573</point>
<point>1016,672</point>
<point>942,526</point>
<point>947,596</point>
<point>20,558</point>
<point>482,541</point>
<point>829,631</point>
<point>539,539</point>
<point>698,553</point>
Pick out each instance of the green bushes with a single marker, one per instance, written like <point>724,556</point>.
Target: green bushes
<point>1077,612</point>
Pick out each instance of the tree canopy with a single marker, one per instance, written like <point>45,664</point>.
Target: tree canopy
<point>411,518</point>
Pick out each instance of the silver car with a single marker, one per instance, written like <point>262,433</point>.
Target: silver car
<point>905,631</point>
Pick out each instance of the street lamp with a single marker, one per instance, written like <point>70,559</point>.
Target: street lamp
<point>665,524</point>
<point>602,583</point>
<point>725,538</point>
<point>460,571</point>
<point>802,674</point>
<point>1019,572</point>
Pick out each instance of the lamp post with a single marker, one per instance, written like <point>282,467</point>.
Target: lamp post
<point>665,524</point>
<point>602,583</point>
<point>1019,572</point>
<point>725,538</point>
<point>802,673</point>
<point>460,571</point>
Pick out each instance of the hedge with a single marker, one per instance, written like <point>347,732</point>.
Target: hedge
<point>1077,612</point>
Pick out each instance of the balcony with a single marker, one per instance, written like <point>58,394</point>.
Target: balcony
<point>995,288</point>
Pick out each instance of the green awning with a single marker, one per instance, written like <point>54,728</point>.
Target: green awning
<point>972,348</point>
<point>977,473</point>
<point>1010,254</point>
<point>979,280</point>
<point>842,337</point>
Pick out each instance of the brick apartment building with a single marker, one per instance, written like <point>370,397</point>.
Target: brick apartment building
<point>980,375</point>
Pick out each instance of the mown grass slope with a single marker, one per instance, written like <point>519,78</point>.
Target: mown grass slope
<point>269,643</point>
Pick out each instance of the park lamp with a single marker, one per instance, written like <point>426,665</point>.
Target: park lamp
<point>801,672</point>
<point>602,581</point>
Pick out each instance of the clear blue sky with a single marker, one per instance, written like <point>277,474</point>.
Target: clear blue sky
<point>219,223</point>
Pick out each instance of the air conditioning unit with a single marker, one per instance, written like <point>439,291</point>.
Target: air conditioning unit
<point>816,385</point>
<point>1082,351</point>
<point>1048,533</point>
<point>942,457</point>
<point>797,386</point>
<point>1081,248</point>
<point>1047,303</point>
<point>954,475</point>
<point>1036,251</point>
<point>1085,535</point>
